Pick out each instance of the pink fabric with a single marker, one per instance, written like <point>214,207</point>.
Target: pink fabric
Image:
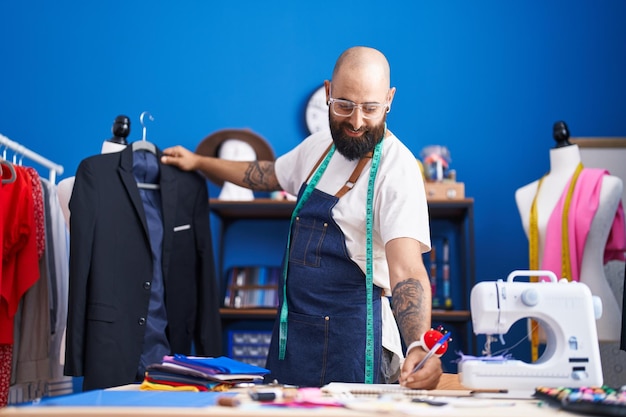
<point>583,207</point>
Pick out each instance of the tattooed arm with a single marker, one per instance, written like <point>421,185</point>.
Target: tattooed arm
<point>255,175</point>
<point>412,304</point>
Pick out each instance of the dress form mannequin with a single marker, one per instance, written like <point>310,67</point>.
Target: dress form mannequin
<point>564,159</point>
<point>120,130</point>
<point>236,150</point>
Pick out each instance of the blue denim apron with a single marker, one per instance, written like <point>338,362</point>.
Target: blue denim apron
<point>327,304</point>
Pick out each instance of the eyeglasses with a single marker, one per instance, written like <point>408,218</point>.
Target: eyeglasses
<point>345,108</point>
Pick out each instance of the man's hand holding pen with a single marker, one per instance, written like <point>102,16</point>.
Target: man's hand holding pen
<point>422,367</point>
<point>425,378</point>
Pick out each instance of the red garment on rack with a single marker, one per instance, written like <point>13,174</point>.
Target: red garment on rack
<point>20,266</point>
<point>5,350</point>
<point>6,356</point>
<point>38,210</point>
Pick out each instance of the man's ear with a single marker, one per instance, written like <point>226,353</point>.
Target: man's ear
<point>327,87</point>
<point>392,93</point>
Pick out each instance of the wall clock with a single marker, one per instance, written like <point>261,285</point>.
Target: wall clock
<point>316,115</point>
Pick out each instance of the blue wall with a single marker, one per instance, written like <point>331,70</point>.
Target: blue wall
<point>485,78</point>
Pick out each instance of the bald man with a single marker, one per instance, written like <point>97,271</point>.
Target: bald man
<point>357,235</point>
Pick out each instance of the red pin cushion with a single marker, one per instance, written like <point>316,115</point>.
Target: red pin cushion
<point>428,340</point>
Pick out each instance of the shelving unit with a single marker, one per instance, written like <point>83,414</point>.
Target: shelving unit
<point>453,218</point>
<point>455,316</point>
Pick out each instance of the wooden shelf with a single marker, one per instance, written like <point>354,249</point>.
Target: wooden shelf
<point>265,208</point>
<point>450,209</point>
<point>248,313</point>
<point>260,208</point>
<point>451,315</point>
<point>270,313</point>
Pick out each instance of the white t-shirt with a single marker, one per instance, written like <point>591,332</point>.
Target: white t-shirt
<point>400,207</point>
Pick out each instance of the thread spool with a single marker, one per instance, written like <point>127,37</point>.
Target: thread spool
<point>228,401</point>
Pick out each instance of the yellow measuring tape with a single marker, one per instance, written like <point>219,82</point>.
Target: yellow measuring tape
<point>533,250</point>
<point>566,263</point>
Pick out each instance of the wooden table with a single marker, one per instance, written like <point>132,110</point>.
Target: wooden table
<point>462,405</point>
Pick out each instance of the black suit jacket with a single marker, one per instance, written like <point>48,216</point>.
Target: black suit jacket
<point>111,269</point>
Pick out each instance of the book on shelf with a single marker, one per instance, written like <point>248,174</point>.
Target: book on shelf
<point>252,286</point>
<point>437,263</point>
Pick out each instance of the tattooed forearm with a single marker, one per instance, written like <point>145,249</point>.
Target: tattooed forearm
<point>260,176</point>
<point>411,309</point>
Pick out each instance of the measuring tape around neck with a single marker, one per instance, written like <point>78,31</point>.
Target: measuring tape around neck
<point>369,265</point>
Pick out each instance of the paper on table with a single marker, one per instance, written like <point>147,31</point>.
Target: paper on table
<point>377,389</point>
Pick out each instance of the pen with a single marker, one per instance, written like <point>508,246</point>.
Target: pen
<point>431,352</point>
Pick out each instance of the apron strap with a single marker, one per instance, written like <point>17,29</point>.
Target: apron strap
<point>355,176</point>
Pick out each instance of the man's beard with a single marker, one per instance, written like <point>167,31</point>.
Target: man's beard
<point>356,148</point>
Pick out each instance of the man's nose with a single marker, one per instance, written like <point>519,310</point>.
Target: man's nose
<point>356,118</point>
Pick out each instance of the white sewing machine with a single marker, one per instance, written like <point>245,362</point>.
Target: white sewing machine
<point>566,311</point>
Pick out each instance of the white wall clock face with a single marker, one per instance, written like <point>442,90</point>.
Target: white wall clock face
<point>316,115</point>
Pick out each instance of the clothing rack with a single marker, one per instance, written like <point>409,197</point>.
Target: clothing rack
<point>25,152</point>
